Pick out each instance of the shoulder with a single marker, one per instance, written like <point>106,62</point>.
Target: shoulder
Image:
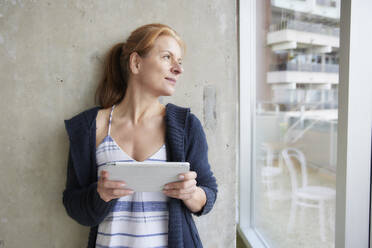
<point>102,118</point>
<point>182,117</point>
<point>176,116</point>
<point>176,113</point>
<point>194,122</point>
<point>194,131</point>
<point>83,120</point>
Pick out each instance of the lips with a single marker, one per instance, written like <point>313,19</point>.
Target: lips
<point>171,79</point>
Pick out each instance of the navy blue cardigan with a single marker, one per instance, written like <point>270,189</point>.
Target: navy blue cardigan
<point>185,141</point>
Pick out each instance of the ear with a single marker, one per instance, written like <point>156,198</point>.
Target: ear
<point>134,62</point>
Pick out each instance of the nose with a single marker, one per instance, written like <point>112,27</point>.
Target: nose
<point>177,68</point>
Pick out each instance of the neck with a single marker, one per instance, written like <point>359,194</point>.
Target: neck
<point>138,105</point>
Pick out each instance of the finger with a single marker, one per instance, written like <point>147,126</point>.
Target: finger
<point>101,180</point>
<point>181,185</point>
<point>114,184</point>
<point>186,190</point>
<point>177,194</point>
<point>188,175</point>
<point>121,192</point>
<point>172,193</point>
<point>103,174</point>
<point>114,194</point>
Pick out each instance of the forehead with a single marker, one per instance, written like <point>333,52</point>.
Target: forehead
<point>167,43</point>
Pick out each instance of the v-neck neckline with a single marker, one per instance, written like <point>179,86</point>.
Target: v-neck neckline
<point>126,154</point>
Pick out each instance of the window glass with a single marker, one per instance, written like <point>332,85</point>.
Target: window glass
<point>295,136</point>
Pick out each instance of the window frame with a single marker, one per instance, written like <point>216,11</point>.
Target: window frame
<point>354,129</point>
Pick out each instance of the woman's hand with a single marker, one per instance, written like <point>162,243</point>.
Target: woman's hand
<point>184,189</point>
<point>187,191</point>
<point>109,190</point>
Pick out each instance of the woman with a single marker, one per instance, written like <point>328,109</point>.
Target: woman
<point>132,125</point>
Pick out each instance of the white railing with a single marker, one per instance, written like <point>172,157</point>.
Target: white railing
<point>310,27</point>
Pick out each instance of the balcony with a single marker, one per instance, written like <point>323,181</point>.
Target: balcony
<point>295,34</point>
<point>322,8</point>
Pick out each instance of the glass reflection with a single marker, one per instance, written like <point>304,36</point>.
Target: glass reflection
<point>296,122</point>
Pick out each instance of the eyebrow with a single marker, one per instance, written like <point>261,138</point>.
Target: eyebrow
<point>180,59</point>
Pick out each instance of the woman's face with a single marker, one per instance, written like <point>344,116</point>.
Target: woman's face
<point>160,69</point>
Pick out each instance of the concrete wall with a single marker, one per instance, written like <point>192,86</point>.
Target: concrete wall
<point>51,60</point>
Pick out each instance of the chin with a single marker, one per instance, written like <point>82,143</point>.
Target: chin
<point>167,92</point>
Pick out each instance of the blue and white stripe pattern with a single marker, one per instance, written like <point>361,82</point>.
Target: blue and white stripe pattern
<point>137,220</point>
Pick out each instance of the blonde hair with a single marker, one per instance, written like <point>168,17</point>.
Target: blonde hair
<point>111,90</point>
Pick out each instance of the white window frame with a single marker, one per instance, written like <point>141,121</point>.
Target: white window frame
<point>353,177</point>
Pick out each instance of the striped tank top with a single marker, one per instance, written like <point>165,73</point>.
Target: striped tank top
<point>137,220</point>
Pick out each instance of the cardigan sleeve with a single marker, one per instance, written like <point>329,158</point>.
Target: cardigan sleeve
<point>84,204</point>
<point>197,156</point>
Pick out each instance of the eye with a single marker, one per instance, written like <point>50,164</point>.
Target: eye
<point>167,56</point>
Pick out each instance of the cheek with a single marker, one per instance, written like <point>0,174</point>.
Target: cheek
<point>155,72</point>
<point>152,79</point>
<point>154,67</point>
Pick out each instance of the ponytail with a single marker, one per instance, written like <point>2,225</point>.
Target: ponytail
<point>111,89</point>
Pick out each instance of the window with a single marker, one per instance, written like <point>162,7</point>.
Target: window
<point>289,86</point>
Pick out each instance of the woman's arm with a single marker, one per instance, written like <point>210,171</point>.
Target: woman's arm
<point>198,190</point>
<point>83,204</point>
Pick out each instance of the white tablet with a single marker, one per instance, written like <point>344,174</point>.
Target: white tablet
<point>145,176</point>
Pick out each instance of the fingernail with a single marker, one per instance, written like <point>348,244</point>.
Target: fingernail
<point>166,187</point>
<point>122,185</point>
<point>181,176</point>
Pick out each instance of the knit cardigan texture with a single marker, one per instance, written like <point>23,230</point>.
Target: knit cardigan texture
<point>185,141</point>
